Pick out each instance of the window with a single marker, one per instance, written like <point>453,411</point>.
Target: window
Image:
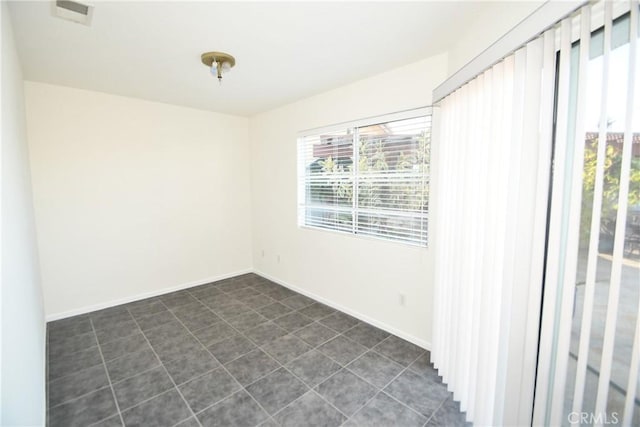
<point>368,178</point>
<point>604,121</point>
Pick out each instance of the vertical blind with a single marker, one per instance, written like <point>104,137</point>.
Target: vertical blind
<point>523,200</point>
<point>493,155</point>
<point>368,179</point>
<point>590,341</point>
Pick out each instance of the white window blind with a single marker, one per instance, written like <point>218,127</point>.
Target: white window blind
<point>496,202</point>
<point>590,340</point>
<point>368,178</point>
<point>492,158</point>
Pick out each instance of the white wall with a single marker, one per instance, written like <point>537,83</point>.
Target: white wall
<point>22,338</point>
<point>363,276</point>
<point>495,20</point>
<point>134,197</point>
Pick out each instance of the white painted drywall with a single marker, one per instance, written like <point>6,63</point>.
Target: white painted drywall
<point>133,197</point>
<point>494,21</point>
<point>362,275</point>
<point>22,339</point>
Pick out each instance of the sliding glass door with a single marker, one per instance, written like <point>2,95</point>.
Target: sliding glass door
<point>590,340</point>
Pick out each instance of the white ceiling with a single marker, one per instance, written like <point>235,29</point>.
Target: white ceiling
<point>284,51</point>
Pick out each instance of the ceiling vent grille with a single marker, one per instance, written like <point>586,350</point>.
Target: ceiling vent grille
<point>73,11</point>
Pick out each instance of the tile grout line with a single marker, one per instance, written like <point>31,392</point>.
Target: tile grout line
<point>104,365</point>
<point>408,368</point>
<point>280,366</point>
<point>242,387</point>
<point>269,416</point>
<point>334,374</point>
<point>137,374</point>
<point>141,331</point>
<point>83,369</point>
<point>157,394</point>
<point>260,347</point>
<point>267,319</point>
<point>149,399</point>
<point>381,389</point>
<point>338,334</point>
<point>311,344</point>
<point>311,390</point>
<point>165,368</point>
<point>115,382</point>
<point>164,391</point>
<point>97,345</point>
<point>292,332</point>
<point>241,333</point>
<point>335,361</point>
<point>225,320</point>
<point>71,353</point>
<point>82,395</point>
<point>300,379</point>
<point>314,391</point>
<point>434,412</point>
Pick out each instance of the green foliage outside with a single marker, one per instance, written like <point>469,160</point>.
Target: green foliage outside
<point>381,170</point>
<point>611,187</point>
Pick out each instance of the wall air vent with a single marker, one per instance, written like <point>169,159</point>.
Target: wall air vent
<point>73,11</point>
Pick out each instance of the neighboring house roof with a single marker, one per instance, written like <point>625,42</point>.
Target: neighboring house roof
<point>617,139</point>
<point>342,146</point>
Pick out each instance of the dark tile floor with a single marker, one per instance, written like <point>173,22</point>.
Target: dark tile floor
<point>238,352</point>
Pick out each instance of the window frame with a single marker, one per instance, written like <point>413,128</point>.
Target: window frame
<point>302,175</point>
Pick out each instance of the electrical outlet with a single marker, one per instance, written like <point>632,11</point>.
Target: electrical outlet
<point>263,253</point>
<point>402,299</point>
<point>278,258</point>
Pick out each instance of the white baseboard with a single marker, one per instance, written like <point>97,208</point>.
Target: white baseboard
<point>87,309</point>
<point>100,306</point>
<point>412,339</point>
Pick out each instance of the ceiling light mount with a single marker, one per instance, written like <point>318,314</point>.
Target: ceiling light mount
<point>218,62</point>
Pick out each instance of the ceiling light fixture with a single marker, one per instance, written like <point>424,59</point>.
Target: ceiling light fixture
<point>218,62</point>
